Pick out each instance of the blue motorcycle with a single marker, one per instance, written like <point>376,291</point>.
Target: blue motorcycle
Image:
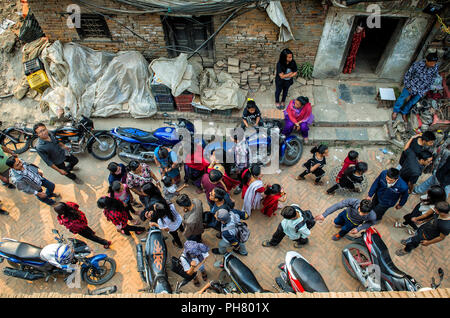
<point>27,264</point>
<point>137,144</point>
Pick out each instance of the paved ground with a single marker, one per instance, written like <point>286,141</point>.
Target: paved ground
<point>32,221</point>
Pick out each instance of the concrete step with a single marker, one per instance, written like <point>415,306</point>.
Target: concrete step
<point>350,135</point>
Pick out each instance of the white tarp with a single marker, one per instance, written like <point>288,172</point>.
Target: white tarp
<point>101,84</point>
<point>276,14</point>
<point>220,91</point>
<point>178,73</point>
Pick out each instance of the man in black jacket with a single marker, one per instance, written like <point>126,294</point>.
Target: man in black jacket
<point>413,166</point>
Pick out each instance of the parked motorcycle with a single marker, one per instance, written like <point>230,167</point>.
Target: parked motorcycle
<point>27,264</point>
<point>152,263</point>
<point>137,144</point>
<point>368,261</point>
<point>18,138</point>
<point>298,275</point>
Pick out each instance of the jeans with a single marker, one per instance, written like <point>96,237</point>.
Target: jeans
<point>401,100</point>
<point>282,86</point>
<point>379,209</point>
<point>50,187</point>
<point>431,181</point>
<point>279,234</point>
<point>414,241</point>
<point>346,224</point>
<point>223,247</point>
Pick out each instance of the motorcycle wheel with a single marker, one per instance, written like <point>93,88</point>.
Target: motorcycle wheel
<point>226,281</point>
<point>361,255</point>
<point>21,146</point>
<point>124,147</point>
<point>98,153</point>
<point>94,276</point>
<point>292,156</point>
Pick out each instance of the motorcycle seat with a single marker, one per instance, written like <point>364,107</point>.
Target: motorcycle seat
<point>244,276</point>
<point>385,259</point>
<point>138,134</point>
<point>23,251</point>
<point>308,276</point>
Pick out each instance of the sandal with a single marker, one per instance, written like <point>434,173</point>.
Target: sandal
<point>299,177</point>
<point>318,183</point>
<point>204,276</point>
<point>266,243</point>
<point>410,231</point>
<point>399,224</point>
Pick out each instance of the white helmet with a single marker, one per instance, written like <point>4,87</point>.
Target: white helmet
<point>64,254</point>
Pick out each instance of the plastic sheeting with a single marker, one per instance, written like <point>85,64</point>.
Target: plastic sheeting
<point>276,14</point>
<point>95,83</point>
<point>178,73</point>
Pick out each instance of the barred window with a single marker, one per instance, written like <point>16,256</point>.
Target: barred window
<point>93,26</point>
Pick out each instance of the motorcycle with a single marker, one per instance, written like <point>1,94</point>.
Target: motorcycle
<point>152,263</point>
<point>137,144</point>
<point>259,144</point>
<point>27,264</point>
<point>368,261</point>
<point>298,275</point>
<point>18,138</point>
<point>235,277</point>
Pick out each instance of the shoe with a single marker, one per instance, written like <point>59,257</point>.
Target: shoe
<point>73,168</point>
<point>297,245</point>
<point>336,237</point>
<point>57,196</point>
<point>299,177</point>
<point>267,243</point>
<point>106,246</point>
<point>216,251</point>
<point>3,212</point>
<point>337,226</point>
<point>318,183</point>
<point>401,252</point>
<point>403,242</point>
<point>237,190</point>
<point>240,253</point>
<point>9,185</point>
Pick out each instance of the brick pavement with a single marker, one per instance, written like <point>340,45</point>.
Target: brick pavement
<point>32,221</point>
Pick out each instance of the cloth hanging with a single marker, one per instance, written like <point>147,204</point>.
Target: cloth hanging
<point>356,41</point>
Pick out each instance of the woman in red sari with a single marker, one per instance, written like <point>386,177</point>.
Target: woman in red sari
<point>274,194</point>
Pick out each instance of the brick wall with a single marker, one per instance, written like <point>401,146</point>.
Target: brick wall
<point>251,36</point>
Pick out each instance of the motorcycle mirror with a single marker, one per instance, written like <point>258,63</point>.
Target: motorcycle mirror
<point>54,231</point>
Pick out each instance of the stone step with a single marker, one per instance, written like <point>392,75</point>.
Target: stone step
<point>350,135</point>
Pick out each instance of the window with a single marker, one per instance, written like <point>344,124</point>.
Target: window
<point>187,34</point>
<point>93,26</point>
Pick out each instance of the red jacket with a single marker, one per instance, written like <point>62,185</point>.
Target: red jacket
<point>77,225</point>
<point>118,218</point>
<point>347,163</point>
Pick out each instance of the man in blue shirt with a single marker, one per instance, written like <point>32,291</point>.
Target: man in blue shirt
<point>386,191</point>
<point>166,160</point>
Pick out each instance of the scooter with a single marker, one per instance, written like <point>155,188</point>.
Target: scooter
<point>298,275</point>
<point>27,264</point>
<point>137,144</point>
<point>152,263</point>
<point>368,261</point>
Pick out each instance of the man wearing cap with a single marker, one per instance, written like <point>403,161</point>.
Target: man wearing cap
<point>229,232</point>
<point>418,80</point>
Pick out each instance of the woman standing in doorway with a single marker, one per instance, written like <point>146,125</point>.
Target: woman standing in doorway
<point>286,70</point>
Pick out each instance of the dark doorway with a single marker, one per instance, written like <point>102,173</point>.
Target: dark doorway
<point>187,34</point>
<point>375,43</point>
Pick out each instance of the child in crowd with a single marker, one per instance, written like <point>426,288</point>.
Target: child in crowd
<point>315,164</point>
<point>170,188</point>
<point>121,192</point>
<point>350,160</point>
<point>353,175</point>
<point>273,195</point>
<point>251,115</point>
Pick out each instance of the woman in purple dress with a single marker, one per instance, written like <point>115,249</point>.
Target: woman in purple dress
<point>298,116</point>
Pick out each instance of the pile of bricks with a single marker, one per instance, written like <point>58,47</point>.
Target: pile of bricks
<point>248,76</point>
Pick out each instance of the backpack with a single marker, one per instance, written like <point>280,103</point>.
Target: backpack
<point>308,218</point>
<point>242,230</point>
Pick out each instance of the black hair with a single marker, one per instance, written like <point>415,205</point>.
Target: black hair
<point>435,194</point>
<point>428,136</point>
<point>10,161</point>
<point>112,167</point>
<point>133,165</point>
<point>110,204</point>
<point>163,153</point>
<point>320,149</point>
<point>289,212</point>
<point>219,193</point>
<point>115,186</point>
<point>442,207</point>
<point>63,209</point>
<point>167,181</point>
<point>184,200</point>
<point>273,189</point>
<point>255,170</point>
<point>432,57</point>
<point>251,104</point>
<point>303,100</point>
<point>283,58</point>
<point>424,155</point>
<point>393,173</point>
<point>353,155</point>
<point>162,210</point>
<point>36,126</point>
<point>361,167</point>
<point>365,206</point>
<point>215,175</point>
<point>151,190</point>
